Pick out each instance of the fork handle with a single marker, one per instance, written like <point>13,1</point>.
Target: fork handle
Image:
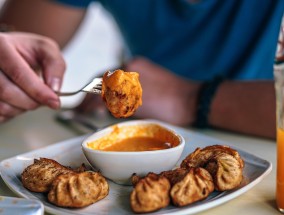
<point>66,93</point>
<point>93,91</point>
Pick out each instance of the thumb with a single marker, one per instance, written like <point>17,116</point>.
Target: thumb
<point>53,66</point>
<point>53,72</point>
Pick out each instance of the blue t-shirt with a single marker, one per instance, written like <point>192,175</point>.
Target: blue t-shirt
<point>234,38</point>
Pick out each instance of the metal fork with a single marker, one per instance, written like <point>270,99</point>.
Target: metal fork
<point>95,87</point>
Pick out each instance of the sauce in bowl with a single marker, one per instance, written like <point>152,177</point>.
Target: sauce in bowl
<point>136,138</point>
<point>134,144</point>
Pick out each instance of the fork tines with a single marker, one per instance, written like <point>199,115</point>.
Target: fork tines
<point>95,86</point>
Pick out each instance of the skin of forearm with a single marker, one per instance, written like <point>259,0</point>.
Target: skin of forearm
<point>42,17</point>
<point>247,107</point>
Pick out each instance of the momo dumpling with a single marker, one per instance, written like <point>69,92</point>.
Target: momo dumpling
<point>78,189</point>
<point>194,185</point>
<point>39,176</point>
<point>150,193</point>
<point>226,171</point>
<point>223,163</point>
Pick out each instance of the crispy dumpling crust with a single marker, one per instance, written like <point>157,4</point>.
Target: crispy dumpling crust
<point>150,193</point>
<point>223,163</point>
<point>38,176</point>
<point>175,175</point>
<point>200,156</point>
<point>189,185</point>
<point>122,92</point>
<point>226,171</point>
<point>78,190</point>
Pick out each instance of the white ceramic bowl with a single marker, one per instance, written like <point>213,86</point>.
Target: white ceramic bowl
<point>119,166</point>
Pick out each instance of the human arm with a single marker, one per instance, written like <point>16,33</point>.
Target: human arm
<point>45,17</point>
<point>246,107</point>
<point>21,87</point>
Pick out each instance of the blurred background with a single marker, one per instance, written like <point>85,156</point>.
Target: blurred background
<point>96,48</point>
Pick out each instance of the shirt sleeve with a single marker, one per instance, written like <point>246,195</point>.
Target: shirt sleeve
<point>75,3</point>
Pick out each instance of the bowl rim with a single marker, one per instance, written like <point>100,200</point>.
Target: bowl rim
<point>180,146</point>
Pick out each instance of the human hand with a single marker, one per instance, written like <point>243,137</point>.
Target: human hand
<point>21,88</point>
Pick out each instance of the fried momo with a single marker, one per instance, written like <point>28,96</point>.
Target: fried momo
<point>150,193</point>
<point>38,176</point>
<point>224,164</point>
<point>189,185</point>
<point>78,190</point>
<point>226,171</point>
<point>121,92</point>
<point>200,156</point>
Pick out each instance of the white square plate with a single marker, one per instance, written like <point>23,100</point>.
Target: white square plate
<point>69,153</point>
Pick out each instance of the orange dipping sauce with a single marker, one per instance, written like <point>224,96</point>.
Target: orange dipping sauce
<point>138,144</point>
<point>136,138</point>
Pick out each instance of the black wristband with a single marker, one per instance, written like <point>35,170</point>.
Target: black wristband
<point>205,98</point>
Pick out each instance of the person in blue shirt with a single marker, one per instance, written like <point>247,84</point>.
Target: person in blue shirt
<point>201,62</point>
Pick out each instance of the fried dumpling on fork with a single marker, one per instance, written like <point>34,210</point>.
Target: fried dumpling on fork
<point>224,164</point>
<point>150,193</point>
<point>189,185</point>
<point>122,92</point>
<point>78,190</point>
<point>38,176</point>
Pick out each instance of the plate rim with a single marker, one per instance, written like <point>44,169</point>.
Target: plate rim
<point>38,203</point>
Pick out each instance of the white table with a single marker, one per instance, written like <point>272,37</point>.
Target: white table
<point>37,129</point>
